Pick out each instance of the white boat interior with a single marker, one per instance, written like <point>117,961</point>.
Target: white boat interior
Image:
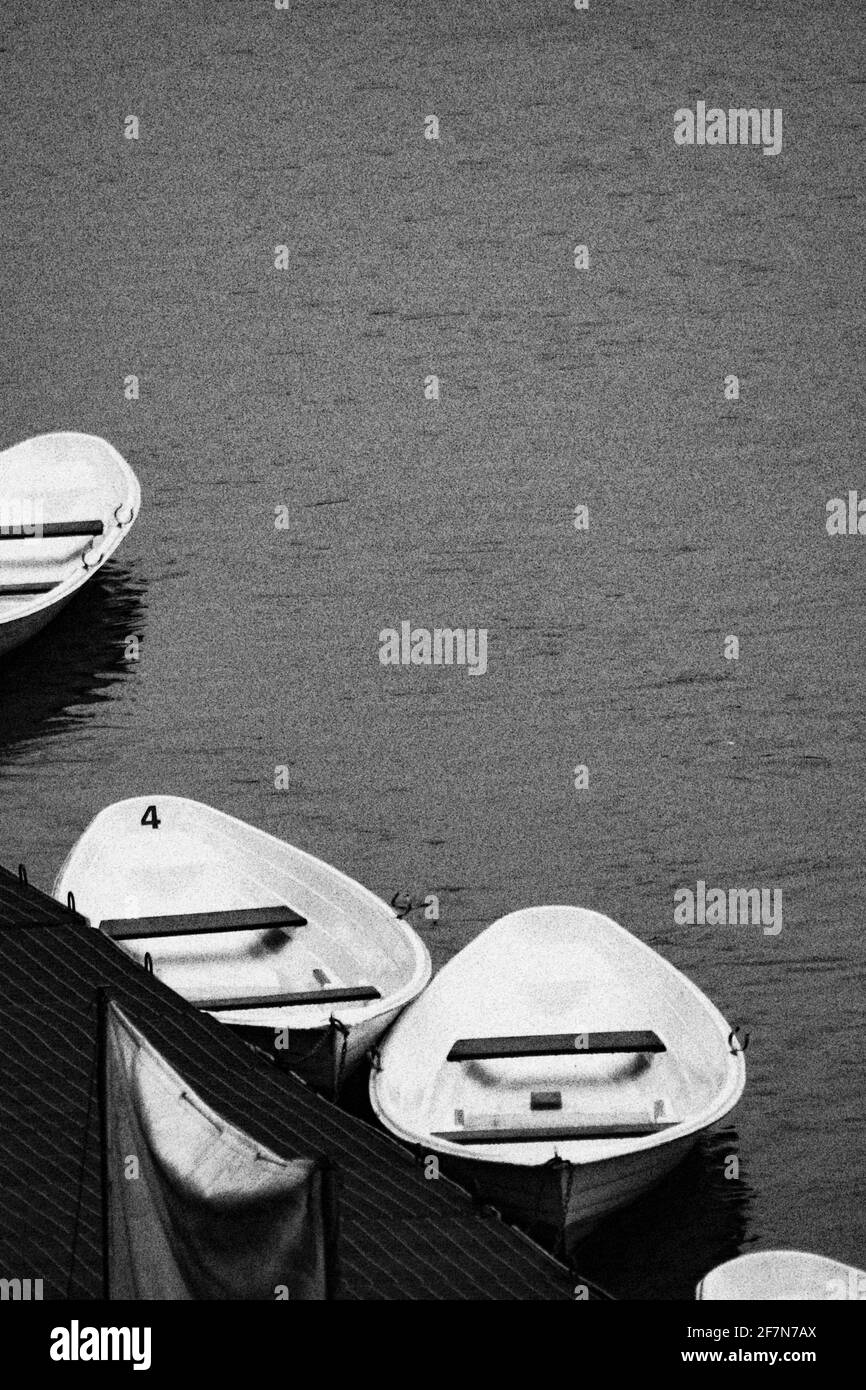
<point>199,861</point>
<point>566,1035</point>
<point>783,1274</point>
<point>65,501</point>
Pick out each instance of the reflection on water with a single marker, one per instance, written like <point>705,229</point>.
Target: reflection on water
<point>663,1244</point>
<point>76,660</point>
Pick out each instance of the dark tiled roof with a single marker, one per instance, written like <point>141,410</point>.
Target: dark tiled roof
<point>20,903</point>
<point>401,1235</point>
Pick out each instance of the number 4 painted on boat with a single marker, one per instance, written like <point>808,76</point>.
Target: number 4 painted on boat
<point>151,818</point>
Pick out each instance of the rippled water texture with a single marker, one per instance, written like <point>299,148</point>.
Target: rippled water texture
<point>304,388</point>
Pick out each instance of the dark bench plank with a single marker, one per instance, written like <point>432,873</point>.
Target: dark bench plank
<point>351,994</point>
<point>52,528</point>
<point>553,1045</point>
<point>201,923</point>
<point>546,1134</point>
<point>9,590</point>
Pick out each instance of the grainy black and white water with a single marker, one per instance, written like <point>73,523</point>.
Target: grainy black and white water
<point>304,388</point>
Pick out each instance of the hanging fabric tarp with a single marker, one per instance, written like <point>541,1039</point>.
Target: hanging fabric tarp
<point>196,1208</point>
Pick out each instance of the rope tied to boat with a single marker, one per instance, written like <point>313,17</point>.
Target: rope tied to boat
<point>374,1057</point>
<point>324,1038</point>
<point>566,1203</point>
<point>327,1038</point>
<point>553,1165</point>
<point>485,1208</point>
<point>339,1066</point>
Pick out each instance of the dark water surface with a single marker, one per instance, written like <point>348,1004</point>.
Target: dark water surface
<point>304,388</point>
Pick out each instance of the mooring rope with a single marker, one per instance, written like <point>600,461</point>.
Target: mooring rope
<point>343,1030</point>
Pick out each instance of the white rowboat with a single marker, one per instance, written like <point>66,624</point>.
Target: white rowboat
<point>66,502</point>
<point>782,1274</point>
<point>260,934</point>
<point>559,1065</point>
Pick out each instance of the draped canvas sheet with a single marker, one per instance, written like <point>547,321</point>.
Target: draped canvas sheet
<point>197,1209</point>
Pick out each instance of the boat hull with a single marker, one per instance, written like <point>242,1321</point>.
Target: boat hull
<point>568,1200</point>
<point>20,630</point>
<point>323,1057</point>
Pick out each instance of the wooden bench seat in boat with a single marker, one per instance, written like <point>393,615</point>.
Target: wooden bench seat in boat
<point>8,590</point>
<point>49,529</point>
<point>351,994</point>
<point>520,1128</point>
<point>45,530</point>
<point>201,923</point>
<point>547,1133</point>
<point>553,1045</point>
